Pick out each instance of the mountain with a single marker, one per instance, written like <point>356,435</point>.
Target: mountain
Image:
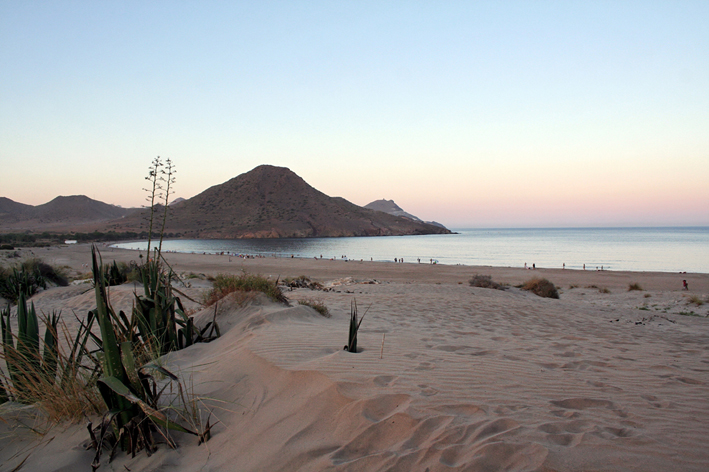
<point>60,214</point>
<point>388,206</point>
<point>274,202</point>
<point>13,211</point>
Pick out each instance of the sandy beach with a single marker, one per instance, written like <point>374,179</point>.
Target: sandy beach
<point>449,377</point>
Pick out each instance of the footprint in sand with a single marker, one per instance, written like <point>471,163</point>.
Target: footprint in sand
<point>585,403</point>
<point>567,433</point>
<point>604,386</point>
<point>383,380</point>
<point>427,391</point>
<point>383,406</point>
<point>656,402</point>
<point>582,403</point>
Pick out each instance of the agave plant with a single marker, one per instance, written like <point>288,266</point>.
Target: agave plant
<point>159,316</point>
<point>130,390</point>
<point>26,365</point>
<point>114,275</point>
<point>351,345</point>
<point>22,281</point>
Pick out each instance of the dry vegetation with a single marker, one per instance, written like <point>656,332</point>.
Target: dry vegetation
<point>484,281</point>
<point>225,284</point>
<point>541,287</point>
<point>317,305</point>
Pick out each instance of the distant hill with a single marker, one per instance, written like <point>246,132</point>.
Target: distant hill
<point>13,211</point>
<point>274,202</point>
<point>388,206</point>
<point>60,214</point>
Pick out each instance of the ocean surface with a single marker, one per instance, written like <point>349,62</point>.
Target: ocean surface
<point>684,249</point>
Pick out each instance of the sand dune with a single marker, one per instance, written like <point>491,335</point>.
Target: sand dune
<point>467,379</point>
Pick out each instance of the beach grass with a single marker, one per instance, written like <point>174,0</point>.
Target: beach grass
<point>225,284</point>
<point>317,305</point>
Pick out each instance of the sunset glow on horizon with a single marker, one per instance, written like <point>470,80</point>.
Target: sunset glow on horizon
<point>472,114</point>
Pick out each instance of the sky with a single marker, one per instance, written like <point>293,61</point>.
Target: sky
<point>470,113</point>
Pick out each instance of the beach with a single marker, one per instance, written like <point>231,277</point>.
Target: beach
<point>449,377</point>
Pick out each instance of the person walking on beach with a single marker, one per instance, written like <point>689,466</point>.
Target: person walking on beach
<point>685,286</point>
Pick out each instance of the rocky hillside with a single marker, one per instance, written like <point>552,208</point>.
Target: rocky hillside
<point>274,202</point>
<point>62,213</point>
<point>388,206</point>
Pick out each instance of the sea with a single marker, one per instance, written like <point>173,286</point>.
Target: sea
<point>665,249</point>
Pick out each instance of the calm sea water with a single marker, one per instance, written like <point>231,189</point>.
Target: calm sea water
<point>638,249</point>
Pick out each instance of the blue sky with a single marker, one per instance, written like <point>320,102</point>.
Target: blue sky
<point>478,114</point>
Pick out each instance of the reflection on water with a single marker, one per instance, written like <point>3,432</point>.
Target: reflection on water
<point>660,249</point>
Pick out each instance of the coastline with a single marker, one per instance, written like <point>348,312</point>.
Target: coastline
<point>76,256</point>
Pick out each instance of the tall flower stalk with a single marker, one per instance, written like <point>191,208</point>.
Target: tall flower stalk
<point>168,178</point>
<point>154,193</point>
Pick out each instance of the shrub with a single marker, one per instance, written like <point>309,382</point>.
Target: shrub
<point>225,284</point>
<point>484,281</point>
<point>695,299</point>
<point>634,286</point>
<point>541,287</point>
<point>317,305</point>
<point>50,273</point>
<point>604,290</point>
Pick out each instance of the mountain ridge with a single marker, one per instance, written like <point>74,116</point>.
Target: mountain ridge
<point>266,202</point>
<point>58,213</point>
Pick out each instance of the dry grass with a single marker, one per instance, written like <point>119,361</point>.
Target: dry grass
<point>317,305</point>
<point>695,300</point>
<point>634,286</point>
<point>70,396</point>
<point>225,284</point>
<point>541,287</point>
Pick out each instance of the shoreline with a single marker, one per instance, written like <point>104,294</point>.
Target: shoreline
<point>77,257</point>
